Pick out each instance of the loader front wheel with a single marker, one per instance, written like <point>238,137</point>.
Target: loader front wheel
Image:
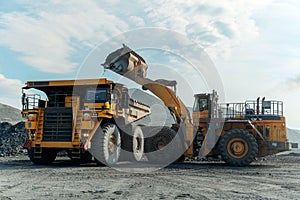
<point>238,147</point>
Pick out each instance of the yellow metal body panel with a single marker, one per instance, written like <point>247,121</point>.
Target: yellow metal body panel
<point>95,105</point>
<point>58,145</point>
<point>69,100</point>
<point>273,131</point>
<point>29,125</point>
<point>61,83</point>
<point>87,125</point>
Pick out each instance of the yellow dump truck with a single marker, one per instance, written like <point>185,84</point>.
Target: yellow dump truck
<point>87,118</point>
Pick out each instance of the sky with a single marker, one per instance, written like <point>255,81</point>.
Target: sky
<point>254,45</point>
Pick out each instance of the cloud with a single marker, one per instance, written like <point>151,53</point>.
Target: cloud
<point>49,34</point>
<point>291,84</point>
<point>54,36</point>
<point>9,86</point>
<point>138,21</point>
<point>215,25</point>
<point>10,90</point>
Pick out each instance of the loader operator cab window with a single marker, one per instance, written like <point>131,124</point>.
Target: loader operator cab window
<point>96,95</point>
<point>200,105</point>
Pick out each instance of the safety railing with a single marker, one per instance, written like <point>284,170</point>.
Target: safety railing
<point>30,101</point>
<point>251,108</point>
<point>232,110</point>
<point>274,108</point>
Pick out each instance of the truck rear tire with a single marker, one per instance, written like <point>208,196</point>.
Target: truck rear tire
<point>138,143</point>
<point>133,146</point>
<point>47,156</point>
<point>238,147</point>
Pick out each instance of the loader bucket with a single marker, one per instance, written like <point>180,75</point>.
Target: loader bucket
<point>126,62</point>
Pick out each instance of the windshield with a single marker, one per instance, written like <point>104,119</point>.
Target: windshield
<point>96,95</point>
<point>200,105</point>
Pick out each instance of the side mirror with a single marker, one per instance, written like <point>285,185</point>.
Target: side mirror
<point>125,100</point>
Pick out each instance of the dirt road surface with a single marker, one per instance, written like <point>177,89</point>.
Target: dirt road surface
<point>277,177</point>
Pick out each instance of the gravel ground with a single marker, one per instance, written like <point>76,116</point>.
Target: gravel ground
<point>277,177</point>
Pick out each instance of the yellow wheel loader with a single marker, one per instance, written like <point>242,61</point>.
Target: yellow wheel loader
<point>237,132</point>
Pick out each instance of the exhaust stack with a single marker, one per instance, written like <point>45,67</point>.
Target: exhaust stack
<point>257,106</point>
<point>263,105</point>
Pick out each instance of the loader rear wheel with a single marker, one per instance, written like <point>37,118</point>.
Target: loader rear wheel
<point>110,144</point>
<point>238,147</point>
<point>47,156</point>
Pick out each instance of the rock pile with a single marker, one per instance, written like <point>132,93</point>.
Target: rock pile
<point>12,138</point>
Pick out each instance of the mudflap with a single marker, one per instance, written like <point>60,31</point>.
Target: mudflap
<point>27,144</point>
<point>95,148</point>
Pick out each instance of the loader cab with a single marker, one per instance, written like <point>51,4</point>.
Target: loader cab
<point>205,106</point>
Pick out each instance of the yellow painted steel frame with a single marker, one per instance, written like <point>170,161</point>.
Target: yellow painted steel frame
<point>91,135</point>
<point>92,126</point>
<point>98,112</point>
<point>273,130</point>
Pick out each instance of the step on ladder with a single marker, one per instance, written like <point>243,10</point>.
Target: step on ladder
<point>76,152</point>
<point>39,131</point>
<point>37,152</point>
<point>77,130</point>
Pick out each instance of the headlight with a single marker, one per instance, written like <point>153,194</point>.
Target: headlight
<point>86,117</point>
<point>86,135</point>
<point>30,117</point>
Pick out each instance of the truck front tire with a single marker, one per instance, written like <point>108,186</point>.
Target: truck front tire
<point>109,144</point>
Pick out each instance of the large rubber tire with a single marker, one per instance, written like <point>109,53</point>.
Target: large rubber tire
<point>138,143</point>
<point>47,157</point>
<point>164,147</point>
<point>109,145</point>
<point>238,147</point>
<point>133,146</point>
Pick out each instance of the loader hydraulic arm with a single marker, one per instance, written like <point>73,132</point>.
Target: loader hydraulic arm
<point>128,63</point>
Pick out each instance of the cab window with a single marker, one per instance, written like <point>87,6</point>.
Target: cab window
<point>200,105</point>
<point>96,95</point>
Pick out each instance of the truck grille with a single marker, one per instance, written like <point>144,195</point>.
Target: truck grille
<point>58,124</point>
